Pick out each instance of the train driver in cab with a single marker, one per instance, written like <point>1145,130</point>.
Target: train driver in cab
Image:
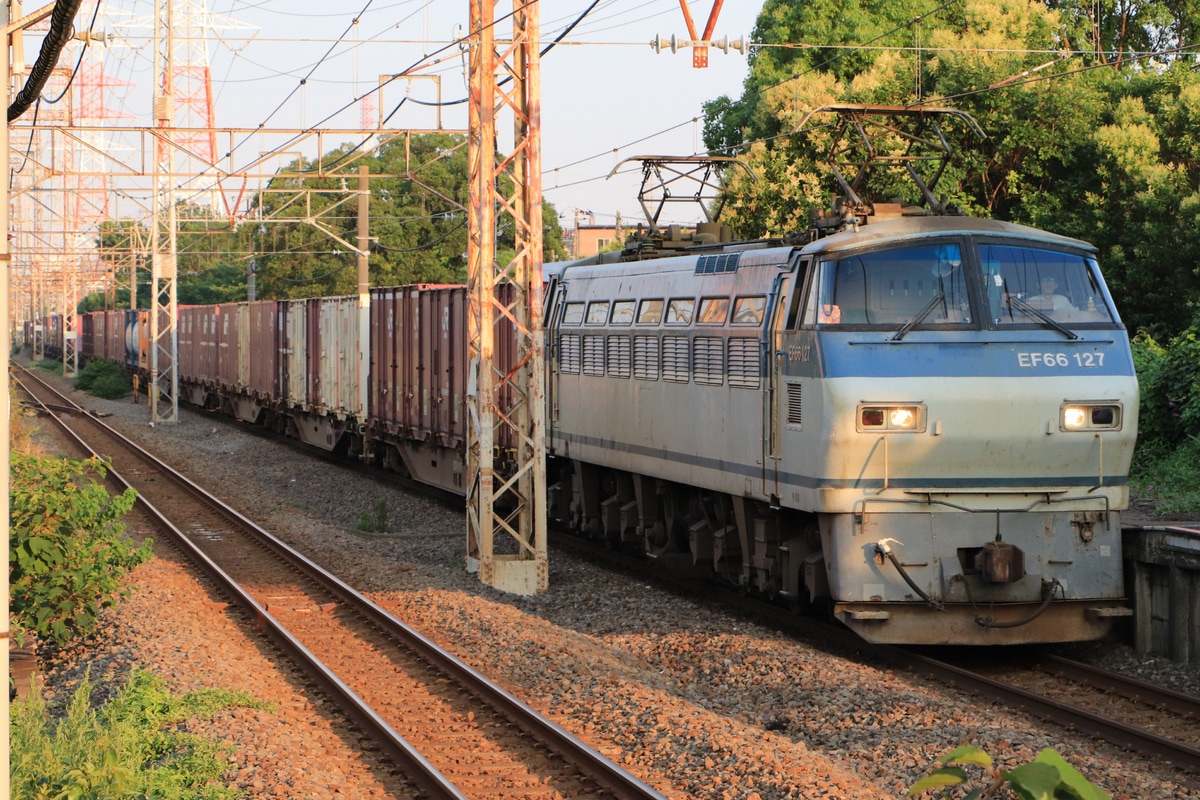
<point>1048,299</point>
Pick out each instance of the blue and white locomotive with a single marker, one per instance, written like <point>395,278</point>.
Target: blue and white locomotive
<point>925,421</point>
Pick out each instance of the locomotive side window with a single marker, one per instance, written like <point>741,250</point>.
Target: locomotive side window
<point>650,312</point>
<point>573,314</point>
<point>1023,284</point>
<point>622,313</point>
<point>597,313</point>
<point>749,310</point>
<point>924,283</point>
<point>679,311</point>
<point>713,311</point>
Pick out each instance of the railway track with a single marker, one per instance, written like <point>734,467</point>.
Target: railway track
<point>1126,712</point>
<point>1152,720</point>
<point>451,732</point>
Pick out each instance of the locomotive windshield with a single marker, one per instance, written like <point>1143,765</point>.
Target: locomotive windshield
<point>1022,281</point>
<point>894,287</point>
<point>931,285</point>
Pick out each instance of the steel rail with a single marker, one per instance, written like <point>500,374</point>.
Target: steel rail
<point>609,776</point>
<point>416,768</point>
<point>1111,730</point>
<point>1184,705</point>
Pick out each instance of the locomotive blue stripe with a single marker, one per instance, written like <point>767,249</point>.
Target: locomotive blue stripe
<point>812,482</point>
<point>851,355</point>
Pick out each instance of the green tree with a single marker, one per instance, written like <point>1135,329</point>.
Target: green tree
<point>418,222</point>
<point>1107,155</point>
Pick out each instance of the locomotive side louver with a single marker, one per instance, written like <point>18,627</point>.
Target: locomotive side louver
<point>743,363</point>
<point>646,358</point>
<point>593,356</point>
<point>793,404</point>
<point>618,356</point>
<point>676,365</point>
<point>569,354</point>
<point>708,360</point>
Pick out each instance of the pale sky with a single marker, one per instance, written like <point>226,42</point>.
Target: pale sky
<point>604,87</point>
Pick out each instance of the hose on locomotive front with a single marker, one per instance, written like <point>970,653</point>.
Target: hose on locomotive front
<point>884,549</point>
<point>1048,587</point>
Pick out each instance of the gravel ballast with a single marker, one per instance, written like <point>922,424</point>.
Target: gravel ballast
<point>689,697</point>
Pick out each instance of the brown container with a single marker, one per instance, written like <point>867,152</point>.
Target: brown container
<point>441,380</point>
<point>227,323</point>
<point>419,364</point>
<point>262,349</point>
<point>91,335</point>
<point>384,350</point>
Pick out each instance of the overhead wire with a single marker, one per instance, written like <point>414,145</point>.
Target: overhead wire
<point>315,66</point>
<point>693,120</point>
<point>426,58</point>
<point>869,45</point>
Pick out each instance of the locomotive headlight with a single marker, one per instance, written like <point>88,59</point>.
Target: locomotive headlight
<point>1074,417</point>
<point>897,418</point>
<point>1090,416</point>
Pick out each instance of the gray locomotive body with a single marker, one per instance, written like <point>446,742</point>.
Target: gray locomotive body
<point>893,420</point>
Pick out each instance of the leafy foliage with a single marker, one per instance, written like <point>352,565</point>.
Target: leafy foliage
<point>1169,378</point>
<point>103,378</point>
<point>1090,144</point>
<point>418,225</point>
<point>1166,468</point>
<point>1047,777</point>
<point>417,229</point>
<point>131,747</point>
<point>67,549</point>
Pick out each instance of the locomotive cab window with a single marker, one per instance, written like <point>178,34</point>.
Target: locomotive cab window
<point>923,285</point>
<point>1026,285</point>
<point>573,314</point>
<point>679,311</point>
<point>597,313</point>
<point>650,312</point>
<point>713,311</point>
<point>622,313</point>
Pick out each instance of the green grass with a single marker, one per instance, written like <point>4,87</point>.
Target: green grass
<point>1170,480</point>
<point>132,746</point>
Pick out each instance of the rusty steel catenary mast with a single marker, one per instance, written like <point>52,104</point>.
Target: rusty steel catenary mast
<point>506,510</point>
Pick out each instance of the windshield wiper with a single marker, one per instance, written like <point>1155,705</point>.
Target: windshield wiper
<point>940,297</point>
<point>1030,311</point>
